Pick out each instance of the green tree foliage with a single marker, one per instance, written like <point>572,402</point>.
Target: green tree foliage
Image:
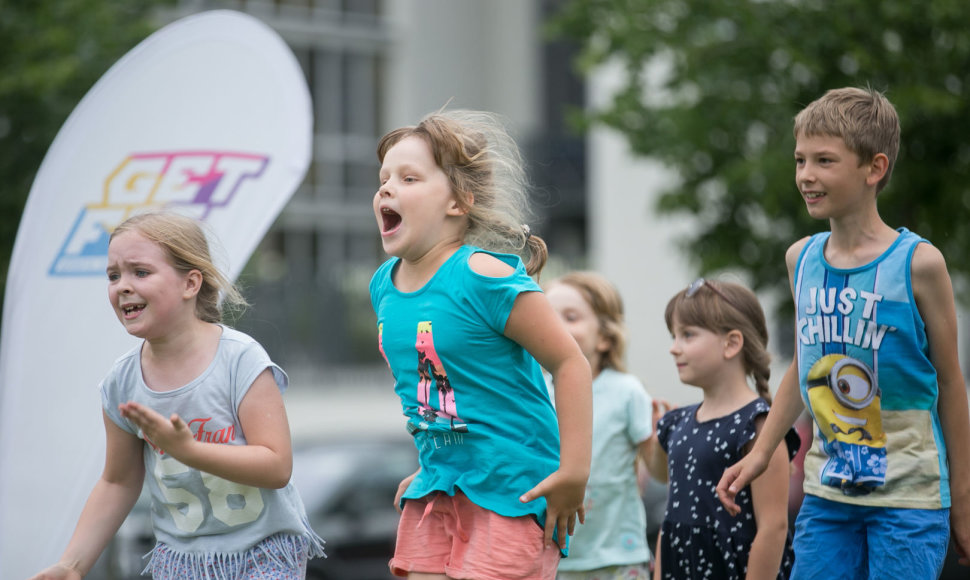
<point>711,88</point>
<point>51,53</point>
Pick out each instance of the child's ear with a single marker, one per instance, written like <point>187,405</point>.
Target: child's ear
<point>733,343</point>
<point>457,208</point>
<point>877,169</point>
<point>193,283</point>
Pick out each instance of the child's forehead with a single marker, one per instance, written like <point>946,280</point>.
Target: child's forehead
<point>132,245</point>
<point>410,147</point>
<point>816,142</point>
<point>565,294</point>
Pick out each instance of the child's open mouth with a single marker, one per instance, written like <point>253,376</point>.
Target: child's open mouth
<point>391,220</point>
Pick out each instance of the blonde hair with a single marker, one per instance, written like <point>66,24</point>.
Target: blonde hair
<point>607,304</point>
<point>863,118</point>
<point>184,241</point>
<point>722,309</point>
<point>487,176</point>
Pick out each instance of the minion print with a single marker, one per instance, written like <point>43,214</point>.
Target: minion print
<point>845,401</point>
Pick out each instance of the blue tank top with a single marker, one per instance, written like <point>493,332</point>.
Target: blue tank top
<point>475,401</point>
<point>867,379</point>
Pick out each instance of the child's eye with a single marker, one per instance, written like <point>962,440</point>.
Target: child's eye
<point>141,273</point>
<point>112,276</point>
<point>409,179</point>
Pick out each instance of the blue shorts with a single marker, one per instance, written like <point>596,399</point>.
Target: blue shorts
<point>835,540</point>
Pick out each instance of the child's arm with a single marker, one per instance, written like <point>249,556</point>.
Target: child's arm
<point>654,457</point>
<point>536,326</point>
<point>769,496</point>
<point>112,497</point>
<point>934,298</point>
<point>402,488</point>
<point>265,461</point>
<point>785,410</point>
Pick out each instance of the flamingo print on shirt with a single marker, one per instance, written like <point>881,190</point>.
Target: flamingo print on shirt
<point>434,378</point>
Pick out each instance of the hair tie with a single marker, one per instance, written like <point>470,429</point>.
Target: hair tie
<point>527,230</point>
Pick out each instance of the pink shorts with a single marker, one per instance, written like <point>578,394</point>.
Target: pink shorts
<point>442,534</point>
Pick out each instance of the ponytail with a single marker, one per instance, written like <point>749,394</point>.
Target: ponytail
<point>538,253</point>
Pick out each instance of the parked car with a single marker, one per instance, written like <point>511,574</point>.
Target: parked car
<point>348,490</point>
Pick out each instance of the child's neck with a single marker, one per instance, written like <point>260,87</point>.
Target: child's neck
<point>179,358</point>
<point>858,240</point>
<point>725,397</point>
<point>413,273</point>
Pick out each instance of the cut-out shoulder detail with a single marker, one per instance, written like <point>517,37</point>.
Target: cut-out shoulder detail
<point>488,265</point>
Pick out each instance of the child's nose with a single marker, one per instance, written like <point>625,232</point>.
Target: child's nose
<point>806,172</point>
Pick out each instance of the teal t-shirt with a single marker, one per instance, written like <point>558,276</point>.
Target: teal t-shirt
<point>475,401</point>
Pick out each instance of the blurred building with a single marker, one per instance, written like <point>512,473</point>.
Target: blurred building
<point>371,66</point>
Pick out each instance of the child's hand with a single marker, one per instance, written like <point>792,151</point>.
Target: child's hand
<point>660,408</point>
<point>58,571</point>
<point>402,487</point>
<point>737,477</point>
<point>960,530</point>
<point>171,435</point>
<point>564,501</point>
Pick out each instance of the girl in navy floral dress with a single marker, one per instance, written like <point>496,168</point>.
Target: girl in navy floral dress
<point>719,342</point>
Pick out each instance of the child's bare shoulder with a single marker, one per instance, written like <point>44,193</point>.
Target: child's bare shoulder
<point>927,259</point>
<point>929,271</point>
<point>795,250</point>
<point>488,265</point>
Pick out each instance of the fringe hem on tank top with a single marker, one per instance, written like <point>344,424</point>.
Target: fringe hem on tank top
<point>285,550</point>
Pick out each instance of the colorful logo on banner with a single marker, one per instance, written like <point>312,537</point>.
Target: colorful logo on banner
<point>198,182</point>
